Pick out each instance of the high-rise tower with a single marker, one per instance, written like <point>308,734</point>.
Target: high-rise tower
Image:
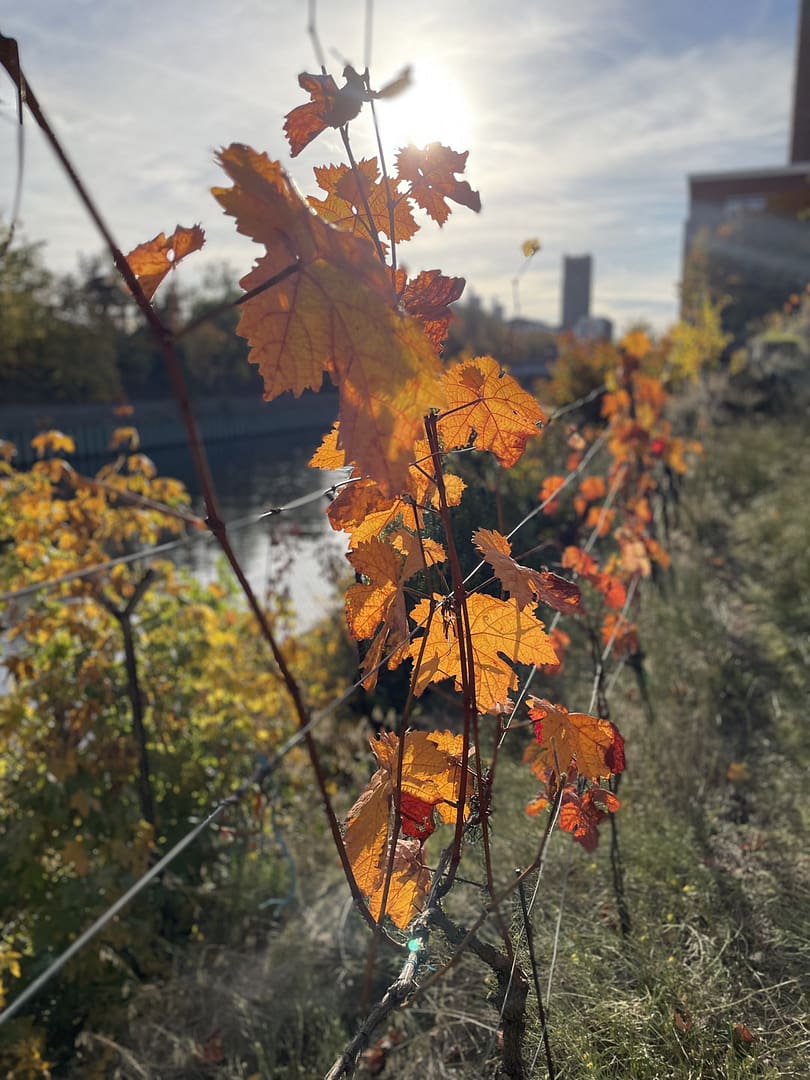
<point>576,289</point>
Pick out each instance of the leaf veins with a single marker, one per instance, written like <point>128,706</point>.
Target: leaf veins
<point>594,745</point>
<point>337,314</point>
<point>502,635</point>
<point>488,405</point>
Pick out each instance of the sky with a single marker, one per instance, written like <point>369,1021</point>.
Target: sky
<point>582,118</point>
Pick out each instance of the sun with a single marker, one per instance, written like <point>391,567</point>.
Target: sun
<point>432,109</point>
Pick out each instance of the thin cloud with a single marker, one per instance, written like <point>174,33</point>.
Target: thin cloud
<point>585,122</point>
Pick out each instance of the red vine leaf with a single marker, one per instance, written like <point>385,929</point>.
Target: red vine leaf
<point>430,174</point>
<point>582,814</point>
<point>417,816</point>
<point>427,297</point>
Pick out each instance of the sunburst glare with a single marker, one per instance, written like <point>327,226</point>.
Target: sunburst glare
<point>433,109</point>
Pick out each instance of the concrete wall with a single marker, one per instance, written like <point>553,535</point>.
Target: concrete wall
<point>159,424</point>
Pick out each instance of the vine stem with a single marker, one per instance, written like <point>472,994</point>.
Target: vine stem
<point>361,180</point>
<point>541,1012</point>
<point>468,683</point>
<point>537,864</point>
<point>469,703</point>
<point>123,616</point>
<point>166,342</point>
<point>395,830</point>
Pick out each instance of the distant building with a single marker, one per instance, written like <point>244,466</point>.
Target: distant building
<point>748,232</point>
<point>593,328</point>
<point>576,289</point>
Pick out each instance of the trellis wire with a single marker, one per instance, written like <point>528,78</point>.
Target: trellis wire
<point>171,545</point>
<point>84,938</point>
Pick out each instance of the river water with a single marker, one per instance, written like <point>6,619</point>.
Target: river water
<point>296,550</point>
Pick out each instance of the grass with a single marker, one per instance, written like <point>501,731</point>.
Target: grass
<point>711,982</point>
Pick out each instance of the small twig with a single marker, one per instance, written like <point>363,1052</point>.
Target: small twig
<point>11,62</point>
<point>401,988</point>
<point>312,30</point>
<point>527,927</point>
<point>126,496</point>
<point>390,201</point>
<point>228,305</point>
<point>462,640</point>
<point>124,620</point>
<point>361,181</point>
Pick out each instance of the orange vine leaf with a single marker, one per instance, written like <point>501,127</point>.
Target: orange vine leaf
<point>490,406</point>
<point>363,510</point>
<point>594,745</point>
<point>430,174</point>
<point>410,882</point>
<point>590,489</point>
<point>525,585</point>
<point>431,776</point>
<point>551,485</point>
<point>151,261</point>
<point>386,598</point>
<point>328,107</point>
<point>621,634</point>
<point>499,630</point>
<point>369,605</point>
<point>337,314</point>
<point>329,455</point>
<point>377,609</point>
<point>574,558</point>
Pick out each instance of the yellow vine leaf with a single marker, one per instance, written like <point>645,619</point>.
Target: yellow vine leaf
<point>410,881</point>
<point>126,437</point>
<point>488,405</point>
<point>54,441</point>
<point>336,314</point>
<point>363,510</point>
<point>376,609</point>
<point>498,629</point>
<point>348,195</point>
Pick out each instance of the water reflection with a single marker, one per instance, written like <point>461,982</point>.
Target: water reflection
<point>295,550</point>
